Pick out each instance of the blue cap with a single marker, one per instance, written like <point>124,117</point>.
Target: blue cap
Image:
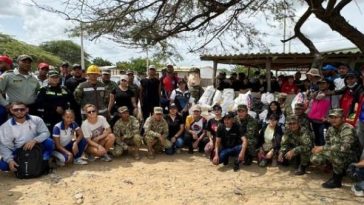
<point>329,67</point>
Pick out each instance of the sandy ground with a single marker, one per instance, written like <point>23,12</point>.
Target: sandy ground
<point>178,179</point>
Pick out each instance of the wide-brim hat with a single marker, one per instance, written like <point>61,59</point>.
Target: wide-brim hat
<point>314,72</point>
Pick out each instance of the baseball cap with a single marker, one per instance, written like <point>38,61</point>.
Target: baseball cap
<point>24,57</point>
<point>43,65</point>
<point>292,119</point>
<point>337,112</point>
<point>329,67</point>
<point>158,110</point>
<point>123,109</point>
<point>6,59</point>
<point>53,73</point>
<point>196,108</point>
<point>106,72</point>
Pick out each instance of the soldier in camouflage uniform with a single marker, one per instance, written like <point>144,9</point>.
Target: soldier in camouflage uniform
<point>249,124</point>
<point>126,130</point>
<point>156,132</point>
<point>105,78</point>
<point>340,149</point>
<point>299,111</point>
<point>296,145</point>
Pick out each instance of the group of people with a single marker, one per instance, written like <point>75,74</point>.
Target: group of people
<point>78,119</point>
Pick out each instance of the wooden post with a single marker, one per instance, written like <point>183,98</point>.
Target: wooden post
<point>214,70</point>
<point>268,68</point>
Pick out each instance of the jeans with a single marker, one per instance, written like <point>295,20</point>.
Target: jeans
<point>225,153</point>
<point>47,149</point>
<point>81,148</point>
<point>360,174</point>
<point>178,144</point>
<point>318,129</point>
<point>201,145</point>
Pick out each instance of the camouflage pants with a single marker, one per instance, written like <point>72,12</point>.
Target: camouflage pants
<point>304,158</point>
<point>135,140</point>
<point>339,161</point>
<point>159,145</point>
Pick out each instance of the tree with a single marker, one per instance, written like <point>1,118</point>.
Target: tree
<point>138,64</point>
<point>13,48</point>
<point>101,62</point>
<point>66,49</point>
<point>156,22</point>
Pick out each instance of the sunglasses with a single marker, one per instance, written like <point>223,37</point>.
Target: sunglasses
<point>91,111</point>
<point>18,109</point>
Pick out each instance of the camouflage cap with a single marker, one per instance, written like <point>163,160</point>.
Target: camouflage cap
<point>337,112</point>
<point>53,73</point>
<point>292,119</point>
<point>282,95</point>
<point>242,106</point>
<point>158,110</point>
<point>123,109</point>
<point>24,57</point>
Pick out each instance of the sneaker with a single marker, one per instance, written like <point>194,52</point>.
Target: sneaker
<point>106,158</point>
<point>357,192</point>
<point>80,161</point>
<point>263,163</point>
<point>190,150</point>
<point>91,158</point>
<point>178,151</point>
<point>60,163</point>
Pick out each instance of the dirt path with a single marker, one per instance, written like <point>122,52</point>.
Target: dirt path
<point>179,179</point>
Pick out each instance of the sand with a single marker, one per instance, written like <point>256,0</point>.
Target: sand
<point>178,179</point>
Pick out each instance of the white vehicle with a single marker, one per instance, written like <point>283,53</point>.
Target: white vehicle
<point>116,78</point>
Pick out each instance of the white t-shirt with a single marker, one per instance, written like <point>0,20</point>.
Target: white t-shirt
<point>65,135</point>
<point>93,130</point>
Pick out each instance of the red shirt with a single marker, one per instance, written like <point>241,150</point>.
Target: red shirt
<point>289,89</point>
<point>169,83</point>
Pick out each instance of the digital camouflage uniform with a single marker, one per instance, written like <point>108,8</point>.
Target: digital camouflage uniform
<point>126,132</point>
<point>300,142</point>
<point>251,126</point>
<point>152,129</point>
<point>340,148</point>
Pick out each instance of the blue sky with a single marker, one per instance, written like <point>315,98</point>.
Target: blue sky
<point>32,25</point>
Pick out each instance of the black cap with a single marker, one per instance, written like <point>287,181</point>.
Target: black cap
<point>74,66</point>
<point>229,115</point>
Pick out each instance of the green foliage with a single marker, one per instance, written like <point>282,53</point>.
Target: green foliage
<point>248,72</point>
<point>14,48</point>
<point>65,49</point>
<point>101,62</point>
<point>138,64</point>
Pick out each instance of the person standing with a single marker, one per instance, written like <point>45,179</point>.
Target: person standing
<point>93,92</point>
<point>53,100</point>
<point>42,77</point>
<point>65,73</point>
<point>106,79</point>
<point>340,149</point>
<point>150,92</point>
<point>71,84</point>
<point>6,64</point>
<point>20,85</point>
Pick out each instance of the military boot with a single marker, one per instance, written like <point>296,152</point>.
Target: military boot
<point>301,170</point>
<point>334,182</point>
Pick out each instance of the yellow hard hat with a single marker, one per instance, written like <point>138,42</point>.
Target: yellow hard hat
<point>93,69</point>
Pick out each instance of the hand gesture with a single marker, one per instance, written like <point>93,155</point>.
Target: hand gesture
<point>13,166</point>
<point>29,145</point>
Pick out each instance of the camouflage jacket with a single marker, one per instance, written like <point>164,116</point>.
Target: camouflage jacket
<point>126,129</point>
<point>341,140</point>
<point>251,126</point>
<point>299,142</point>
<point>154,128</point>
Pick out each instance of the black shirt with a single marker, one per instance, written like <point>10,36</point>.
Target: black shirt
<point>212,126</point>
<point>150,91</point>
<point>123,98</point>
<point>231,138</point>
<point>173,125</point>
<point>72,83</point>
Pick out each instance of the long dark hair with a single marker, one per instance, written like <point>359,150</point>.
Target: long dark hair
<point>278,112</point>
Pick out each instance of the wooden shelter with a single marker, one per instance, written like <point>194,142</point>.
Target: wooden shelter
<point>285,61</point>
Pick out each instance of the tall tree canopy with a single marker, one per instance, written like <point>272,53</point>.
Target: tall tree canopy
<point>66,49</point>
<point>229,22</point>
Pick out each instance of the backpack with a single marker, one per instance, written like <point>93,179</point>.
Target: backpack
<point>30,163</point>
